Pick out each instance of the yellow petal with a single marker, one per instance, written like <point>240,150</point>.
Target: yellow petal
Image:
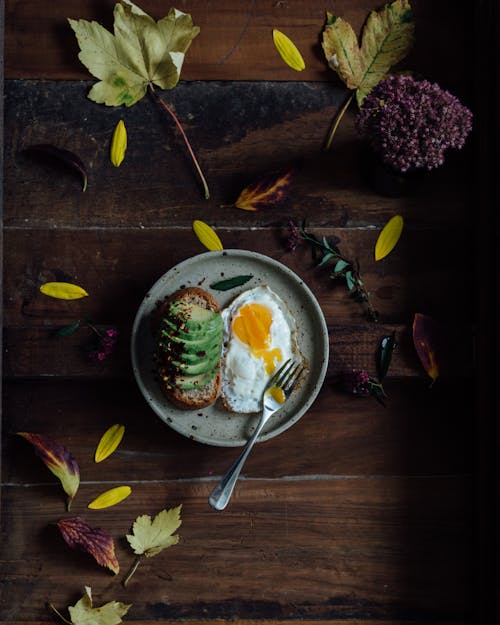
<point>109,442</point>
<point>288,51</point>
<point>63,290</point>
<point>110,498</point>
<point>388,237</point>
<point>207,236</point>
<point>118,144</point>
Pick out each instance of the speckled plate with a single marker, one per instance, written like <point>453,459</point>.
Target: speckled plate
<point>214,425</point>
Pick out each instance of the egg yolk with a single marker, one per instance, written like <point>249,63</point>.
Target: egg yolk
<point>252,326</point>
<point>277,393</point>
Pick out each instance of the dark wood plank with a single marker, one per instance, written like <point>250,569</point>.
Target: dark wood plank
<point>235,40</point>
<point>240,132</point>
<point>324,549</point>
<point>118,267</point>
<point>419,432</point>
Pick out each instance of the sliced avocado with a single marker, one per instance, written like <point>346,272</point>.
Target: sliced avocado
<point>192,357</point>
<point>203,365</point>
<point>189,382</point>
<point>192,314</point>
<point>204,344</point>
<point>190,332</point>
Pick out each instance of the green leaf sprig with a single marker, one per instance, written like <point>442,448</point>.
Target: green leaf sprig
<point>326,251</point>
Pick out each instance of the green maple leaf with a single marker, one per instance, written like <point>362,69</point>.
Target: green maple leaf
<point>82,613</point>
<point>149,537</point>
<point>140,53</point>
<point>388,36</point>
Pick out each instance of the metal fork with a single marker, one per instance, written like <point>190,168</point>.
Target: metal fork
<point>286,378</point>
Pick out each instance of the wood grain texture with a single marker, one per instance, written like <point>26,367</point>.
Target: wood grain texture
<point>419,432</point>
<point>236,38</point>
<point>240,132</point>
<point>328,549</point>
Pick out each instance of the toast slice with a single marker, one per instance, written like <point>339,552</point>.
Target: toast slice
<point>205,389</point>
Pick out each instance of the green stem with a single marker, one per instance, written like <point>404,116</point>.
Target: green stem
<point>65,620</point>
<point>165,106</point>
<point>336,121</point>
<point>133,569</point>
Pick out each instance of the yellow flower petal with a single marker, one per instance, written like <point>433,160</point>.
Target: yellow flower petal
<point>207,236</point>
<point>388,237</point>
<point>118,144</point>
<point>110,498</point>
<point>288,51</point>
<point>63,290</point>
<point>109,442</point>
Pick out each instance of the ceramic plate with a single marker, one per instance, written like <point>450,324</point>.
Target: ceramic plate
<point>215,425</point>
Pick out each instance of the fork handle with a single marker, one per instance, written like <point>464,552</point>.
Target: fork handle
<point>222,492</point>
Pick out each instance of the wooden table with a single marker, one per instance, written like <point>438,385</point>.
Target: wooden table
<point>358,513</point>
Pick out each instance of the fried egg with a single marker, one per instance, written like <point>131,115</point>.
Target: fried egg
<point>260,334</point>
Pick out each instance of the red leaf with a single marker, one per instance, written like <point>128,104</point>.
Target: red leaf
<point>95,541</point>
<point>268,191</point>
<point>427,338</point>
<point>58,460</point>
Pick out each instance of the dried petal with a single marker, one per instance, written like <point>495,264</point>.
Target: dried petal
<point>65,156</point>
<point>95,541</point>
<point>288,51</point>
<point>207,235</point>
<point>110,498</point>
<point>109,442</point>
<point>426,338</point>
<point>388,237</point>
<point>63,290</point>
<point>58,460</point>
<point>268,191</point>
<point>118,144</point>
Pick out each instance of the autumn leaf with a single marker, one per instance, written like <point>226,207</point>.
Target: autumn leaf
<point>139,54</point>
<point>110,498</point>
<point>267,192</point>
<point>426,338</point>
<point>109,442</point>
<point>207,236</point>
<point>63,290</point>
<point>82,613</point>
<point>95,541</point>
<point>388,36</point>
<point>288,51</point>
<point>118,144</point>
<point>150,537</point>
<point>388,237</point>
<point>58,460</point>
<point>60,155</point>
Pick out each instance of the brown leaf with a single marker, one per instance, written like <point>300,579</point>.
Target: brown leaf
<point>58,460</point>
<point>266,192</point>
<point>95,541</point>
<point>426,338</point>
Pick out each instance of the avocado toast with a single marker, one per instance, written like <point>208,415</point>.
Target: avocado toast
<point>189,331</point>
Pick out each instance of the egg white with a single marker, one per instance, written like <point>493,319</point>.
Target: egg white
<point>244,375</point>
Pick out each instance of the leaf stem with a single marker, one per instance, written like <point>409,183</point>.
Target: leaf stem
<point>133,569</point>
<point>165,106</point>
<point>336,121</point>
<point>53,608</point>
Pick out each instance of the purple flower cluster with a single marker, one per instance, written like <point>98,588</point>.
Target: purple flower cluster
<point>410,123</point>
<point>356,381</point>
<point>105,345</point>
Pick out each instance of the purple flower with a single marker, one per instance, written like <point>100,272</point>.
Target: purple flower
<point>410,123</point>
<point>294,237</point>
<point>105,344</point>
<point>356,382</point>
